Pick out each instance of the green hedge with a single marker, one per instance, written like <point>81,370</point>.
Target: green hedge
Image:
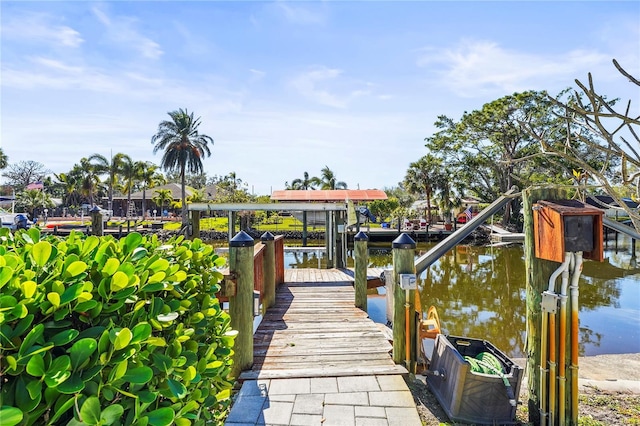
<point>100,331</point>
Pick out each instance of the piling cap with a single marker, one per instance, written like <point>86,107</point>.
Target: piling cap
<point>242,239</point>
<point>404,241</point>
<point>361,236</point>
<point>95,209</point>
<point>267,236</point>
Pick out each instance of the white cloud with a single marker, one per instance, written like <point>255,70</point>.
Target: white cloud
<point>313,85</point>
<point>41,28</point>
<point>302,15</point>
<point>123,32</point>
<point>474,68</point>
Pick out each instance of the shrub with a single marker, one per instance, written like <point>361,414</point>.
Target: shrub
<point>100,331</point>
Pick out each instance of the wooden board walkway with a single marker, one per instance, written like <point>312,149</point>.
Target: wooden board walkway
<point>314,330</point>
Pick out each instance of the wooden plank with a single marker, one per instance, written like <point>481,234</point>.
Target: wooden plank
<point>314,330</point>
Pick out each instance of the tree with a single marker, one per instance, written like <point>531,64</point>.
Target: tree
<point>21,174</point>
<point>131,171</point>
<point>183,149</point>
<point>383,208</point>
<point>197,181</point>
<point>489,147</point>
<point>305,183</point>
<point>231,189</point>
<point>590,124</point>
<point>149,178</point>
<point>162,197</point>
<point>4,160</point>
<point>112,168</point>
<point>423,177</point>
<point>328,180</point>
<point>33,199</point>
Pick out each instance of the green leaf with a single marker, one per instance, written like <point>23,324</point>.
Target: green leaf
<point>28,287</point>
<point>147,397</point>
<point>76,268</point>
<point>159,265</point>
<point>64,337</point>
<point>90,411</point>
<point>71,293</point>
<point>110,414</point>
<point>34,335</point>
<point>54,298</point>
<point>123,337</point>
<point>138,254</point>
<point>161,417</point>
<point>119,280</point>
<point>34,387</point>
<point>61,410</point>
<point>223,395</point>
<point>177,389</point>
<point>140,332</point>
<point>73,384</point>
<point>81,351</point>
<point>162,362</point>
<point>41,252</point>
<point>139,375</point>
<point>10,416</point>
<point>111,266</point>
<point>23,398</point>
<point>89,244</point>
<point>35,366</point>
<point>132,241</point>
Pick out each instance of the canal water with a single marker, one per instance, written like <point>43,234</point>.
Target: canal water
<point>479,292</point>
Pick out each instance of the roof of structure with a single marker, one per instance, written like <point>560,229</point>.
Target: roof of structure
<point>329,195</point>
<point>176,192</point>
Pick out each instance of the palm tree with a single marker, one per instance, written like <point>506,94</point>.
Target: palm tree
<point>149,178</point>
<point>328,180</point>
<point>130,174</point>
<point>33,199</point>
<point>423,177</point>
<point>111,167</point>
<point>162,197</point>
<point>305,183</point>
<point>183,149</point>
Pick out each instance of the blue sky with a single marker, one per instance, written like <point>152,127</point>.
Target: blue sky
<point>289,87</point>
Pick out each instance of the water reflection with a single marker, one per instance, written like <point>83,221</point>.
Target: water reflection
<point>480,293</point>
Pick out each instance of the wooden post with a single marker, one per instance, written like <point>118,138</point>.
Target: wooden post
<point>330,240</point>
<point>403,249</point>
<point>340,238</point>
<point>269,270</point>
<point>304,228</point>
<point>96,222</point>
<point>361,263</point>
<point>538,272</point>
<point>231,228</point>
<point>195,224</point>
<point>241,305</point>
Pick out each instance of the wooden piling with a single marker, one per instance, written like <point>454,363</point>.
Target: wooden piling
<point>361,263</point>
<point>538,272</point>
<point>97,226</point>
<point>403,249</point>
<point>195,224</point>
<point>269,271</point>
<point>241,304</point>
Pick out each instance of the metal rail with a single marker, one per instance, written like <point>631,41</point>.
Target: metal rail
<point>427,259</point>
<point>621,227</point>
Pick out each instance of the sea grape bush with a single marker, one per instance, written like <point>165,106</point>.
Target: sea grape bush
<point>99,331</point>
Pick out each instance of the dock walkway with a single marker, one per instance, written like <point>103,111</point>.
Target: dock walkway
<point>319,360</point>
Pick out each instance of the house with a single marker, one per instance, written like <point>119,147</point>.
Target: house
<point>120,201</point>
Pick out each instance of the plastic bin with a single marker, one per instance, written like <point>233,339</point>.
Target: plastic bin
<point>467,396</point>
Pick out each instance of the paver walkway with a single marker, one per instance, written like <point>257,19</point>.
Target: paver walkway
<point>318,360</point>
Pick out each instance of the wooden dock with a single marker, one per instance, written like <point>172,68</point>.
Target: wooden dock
<point>314,330</point>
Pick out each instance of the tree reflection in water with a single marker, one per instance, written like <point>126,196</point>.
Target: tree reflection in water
<point>480,293</point>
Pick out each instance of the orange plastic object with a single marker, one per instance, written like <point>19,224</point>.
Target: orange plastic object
<point>430,327</point>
